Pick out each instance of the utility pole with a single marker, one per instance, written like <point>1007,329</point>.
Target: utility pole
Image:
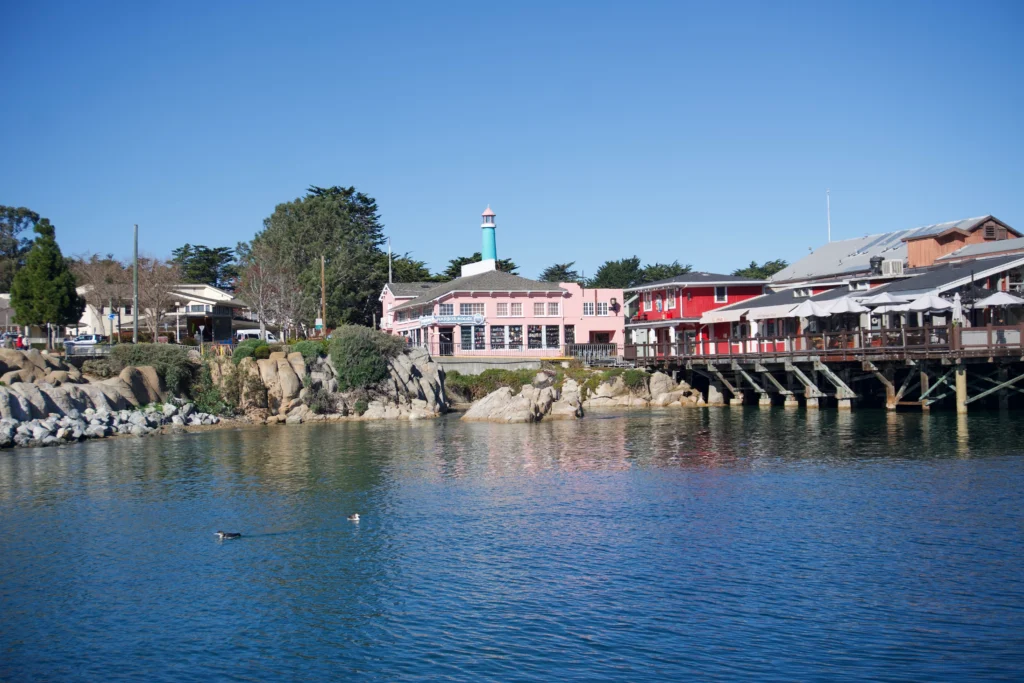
<point>135,289</point>
<point>828,211</point>
<point>389,261</point>
<point>323,297</point>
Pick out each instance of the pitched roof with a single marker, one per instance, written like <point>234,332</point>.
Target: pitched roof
<point>696,278</point>
<point>404,289</point>
<point>846,257</point>
<point>942,276</point>
<point>982,248</point>
<point>491,281</point>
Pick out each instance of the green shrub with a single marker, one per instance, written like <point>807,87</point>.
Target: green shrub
<point>247,349</point>
<point>361,354</point>
<point>360,407</point>
<point>100,367</point>
<point>261,352</point>
<point>478,386</point>
<point>319,401</point>
<point>206,397</point>
<point>170,362</point>
<point>310,350</point>
<point>636,380</point>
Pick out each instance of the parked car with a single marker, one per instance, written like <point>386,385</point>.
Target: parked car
<point>87,340</point>
<point>242,335</point>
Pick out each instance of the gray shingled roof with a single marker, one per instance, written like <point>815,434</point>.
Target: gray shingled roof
<point>696,278</point>
<point>491,281</point>
<point>982,248</point>
<point>410,288</point>
<point>846,257</point>
<point>927,279</point>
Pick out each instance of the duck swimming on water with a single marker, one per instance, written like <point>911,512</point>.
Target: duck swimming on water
<point>224,535</point>
<point>353,517</point>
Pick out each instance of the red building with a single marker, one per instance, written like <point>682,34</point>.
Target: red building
<point>669,311</point>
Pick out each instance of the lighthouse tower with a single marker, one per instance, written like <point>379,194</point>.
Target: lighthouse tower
<point>489,249</point>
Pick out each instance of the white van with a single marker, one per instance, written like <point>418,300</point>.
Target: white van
<point>242,335</point>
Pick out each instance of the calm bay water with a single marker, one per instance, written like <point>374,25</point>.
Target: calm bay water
<point>710,544</point>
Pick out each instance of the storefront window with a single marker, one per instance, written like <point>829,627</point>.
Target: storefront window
<point>497,336</point>
<point>467,336</point>
<point>479,340</point>
<point>515,337</point>
<point>570,334</point>
<point>551,336</point>
<point>534,340</point>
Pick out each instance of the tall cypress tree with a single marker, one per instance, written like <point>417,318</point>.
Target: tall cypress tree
<point>43,290</point>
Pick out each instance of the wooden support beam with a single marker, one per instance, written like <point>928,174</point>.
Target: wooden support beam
<point>1001,385</point>
<point>778,385</point>
<point>905,387</point>
<point>743,373</point>
<point>721,378</point>
<point>993,381</point>
<point>961,388</point>
<point>842,390</point>
<point>811,389</point>
<point>942,380</point>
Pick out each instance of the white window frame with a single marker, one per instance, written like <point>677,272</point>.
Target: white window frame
<point>441,308</point>
<point>543,309</point>
<point>588,308</point>
<point>671,303</point>
<point>498,309</point>
<point>725,294</point>
<point>512,309</point>
<point>472,309</point>
<point>648,301</point>
<point>556,309</point>
<point>602,308</point>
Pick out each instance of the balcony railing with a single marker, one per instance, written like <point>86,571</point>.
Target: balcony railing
<point>905,342</point>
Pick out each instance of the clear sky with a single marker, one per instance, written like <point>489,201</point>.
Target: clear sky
<point>703,132</point>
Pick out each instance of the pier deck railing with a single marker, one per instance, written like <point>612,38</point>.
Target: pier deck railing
<point>950,341</point>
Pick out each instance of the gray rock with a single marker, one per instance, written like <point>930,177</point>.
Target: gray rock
<point>187,410</point>
<point>170,409</point>
<point>50,441</point>
<point>139,430</point>
<point>74,414</point>
<point>137,419</point>
<point>63,433</point>
<point>40,432</point>
<point>177,420</point>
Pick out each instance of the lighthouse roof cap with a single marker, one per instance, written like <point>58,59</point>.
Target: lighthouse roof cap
<point>488,211</point>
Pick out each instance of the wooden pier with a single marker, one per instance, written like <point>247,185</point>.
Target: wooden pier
<point>909,367</point>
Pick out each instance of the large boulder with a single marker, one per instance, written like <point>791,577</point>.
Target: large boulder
<point>298,364</point>
<point>145,384</point>
<point>271,380</point>
<point>291,385</point>
<point>531,404</point>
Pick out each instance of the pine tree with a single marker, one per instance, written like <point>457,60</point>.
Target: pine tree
<point>43,290</point>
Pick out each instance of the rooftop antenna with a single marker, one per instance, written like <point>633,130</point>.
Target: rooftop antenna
<point>828,212</point>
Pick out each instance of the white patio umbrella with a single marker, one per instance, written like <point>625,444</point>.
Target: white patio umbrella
<point>846,305</point>
<point>1000,299</point>
<point>929,302</point>
<point>881,299</point>
<point>810,309</point>
<point>958,309</point>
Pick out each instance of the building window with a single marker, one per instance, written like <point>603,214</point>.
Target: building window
<point>446,309</point>
<point>648,301</point>
<point>570,334</point>
<point>471,309</point>
<point>551,336</point>
<point>517,310</point>
<point>538,308</point>
<point>497,336</point>
<point>721,295</point>
<point>472,337</point>
<point>515,337</point>
<point>588,308</point>
<point>534,340</point>
<point>671,299</point>
<point>769,329</point>
<point>602,308</point>
<point>502,311</point>
<point>553,308</point>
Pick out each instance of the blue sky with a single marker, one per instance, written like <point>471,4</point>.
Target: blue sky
<point>703,132</point>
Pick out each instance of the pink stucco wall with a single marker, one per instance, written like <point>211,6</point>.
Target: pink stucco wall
<point>588,328</point>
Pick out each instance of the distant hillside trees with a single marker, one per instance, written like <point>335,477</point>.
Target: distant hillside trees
<point>200,264</point>
<point>763,271</point>
<point>627,272</point>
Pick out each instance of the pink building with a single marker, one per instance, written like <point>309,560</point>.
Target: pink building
<point>488,312</point>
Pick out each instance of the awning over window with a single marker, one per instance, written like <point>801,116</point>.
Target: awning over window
<point>723,316</point>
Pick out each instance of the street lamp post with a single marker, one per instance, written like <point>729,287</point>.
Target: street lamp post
<point>201,328</point>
